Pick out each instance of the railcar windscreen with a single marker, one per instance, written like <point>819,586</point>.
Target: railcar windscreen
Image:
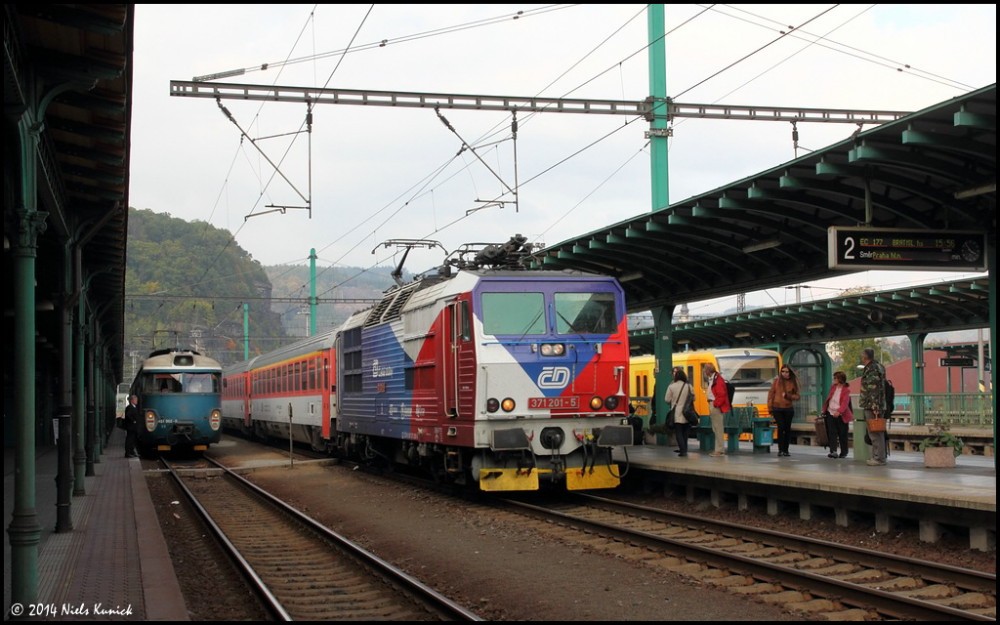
<point>513,313</point>
<point>585,313</point>
<point>751,370</point>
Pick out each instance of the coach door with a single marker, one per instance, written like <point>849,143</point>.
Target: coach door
<point>460,362</point>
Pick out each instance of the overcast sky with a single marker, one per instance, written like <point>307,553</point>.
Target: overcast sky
<point>378,173</point>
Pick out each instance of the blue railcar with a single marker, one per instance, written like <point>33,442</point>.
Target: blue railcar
<point>180,401</point>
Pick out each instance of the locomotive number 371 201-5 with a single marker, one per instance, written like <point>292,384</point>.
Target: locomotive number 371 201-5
<point>548,403</point>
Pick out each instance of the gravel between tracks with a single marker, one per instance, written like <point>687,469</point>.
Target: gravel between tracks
<point>499,569</point>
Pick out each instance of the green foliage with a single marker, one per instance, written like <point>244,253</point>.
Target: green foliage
<point>850,355</point>
<point>941,436</point>
<point>352,285</point>
<point>185,284</point>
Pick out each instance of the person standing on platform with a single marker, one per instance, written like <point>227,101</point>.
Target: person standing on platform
<point>873,401</point>
<point>784,391</point>
<point>718,406</point>
<point>131,418</point>
<point>838,407</point>
<point>677,396</point>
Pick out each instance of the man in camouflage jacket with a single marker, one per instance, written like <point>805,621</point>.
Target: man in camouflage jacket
<point>873,401</point>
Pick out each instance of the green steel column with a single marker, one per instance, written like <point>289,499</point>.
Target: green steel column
<point>312,292</point>
<point>663,351</point>
<point>659,174</point>
<point>79,395</point>
<point>246,331</point>
<point>917,358</point>
<point>991,267</point>
<point>659,184</point>
<point>24,532</point>
<point>64,476</point>
<point>91,416</point>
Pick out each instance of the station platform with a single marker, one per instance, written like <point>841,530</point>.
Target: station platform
<point>114,563</point>
<point>902,490</point>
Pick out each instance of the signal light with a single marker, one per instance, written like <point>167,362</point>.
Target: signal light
<point>508,404</point>
<point>596,403</point>
<point>492,404</point>
<point>611,402</point>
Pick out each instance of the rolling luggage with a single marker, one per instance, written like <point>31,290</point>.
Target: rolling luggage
<point>822,435</point>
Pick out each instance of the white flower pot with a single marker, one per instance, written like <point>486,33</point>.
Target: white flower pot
<point>939,457</point>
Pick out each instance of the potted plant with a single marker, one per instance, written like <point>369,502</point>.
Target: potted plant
<point>941,447</point>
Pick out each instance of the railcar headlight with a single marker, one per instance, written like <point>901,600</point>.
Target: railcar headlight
<point>215,419</point>
<point>611,402</point>
<point>508,404</point>
<point>553,349</point>
<point>596,403</point>
<point>150,420</point>
<point>492,404</point>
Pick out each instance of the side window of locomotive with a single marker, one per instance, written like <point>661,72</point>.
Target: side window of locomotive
<point>513,313</point>
<point>466,322</point>
<point>585,313</point>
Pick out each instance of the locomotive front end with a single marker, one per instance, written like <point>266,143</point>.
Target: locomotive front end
<point>553,369</point>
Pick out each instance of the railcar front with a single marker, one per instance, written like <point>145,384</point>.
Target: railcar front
<point>180,401</point>
<point>509,379</point>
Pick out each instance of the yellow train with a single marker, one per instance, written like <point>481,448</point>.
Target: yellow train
<point>750,370</point>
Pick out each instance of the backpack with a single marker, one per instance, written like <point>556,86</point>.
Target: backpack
<point>890,398</point>
<point>730,390</point>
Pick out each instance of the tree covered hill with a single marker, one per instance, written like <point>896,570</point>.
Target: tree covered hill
<point>187,283</point>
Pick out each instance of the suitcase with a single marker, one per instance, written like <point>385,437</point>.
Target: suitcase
<point>822,436</point>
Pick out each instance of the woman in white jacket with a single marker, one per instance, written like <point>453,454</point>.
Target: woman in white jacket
<point>677,396</point>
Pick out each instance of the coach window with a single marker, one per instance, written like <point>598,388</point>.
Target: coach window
<point>513,313</point>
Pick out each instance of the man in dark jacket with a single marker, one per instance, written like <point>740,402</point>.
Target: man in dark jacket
<point>131,418</point>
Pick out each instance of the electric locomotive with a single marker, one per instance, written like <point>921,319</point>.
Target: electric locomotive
<point>483,373</point>
<point>179,401</point>
<point>491,373</point>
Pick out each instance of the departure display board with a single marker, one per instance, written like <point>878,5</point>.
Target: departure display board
<point>861,248</point>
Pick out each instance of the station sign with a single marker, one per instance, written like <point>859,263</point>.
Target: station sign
<point>864,248</point>
<point>957,361</point>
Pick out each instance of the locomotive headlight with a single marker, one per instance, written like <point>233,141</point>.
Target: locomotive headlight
<point>215,419</point>
<point>492,404</point>
<point>611,402</point>
<point>150,420</point>
<point>596,403</point>
<point>508,404</point>
<point>553,349</point>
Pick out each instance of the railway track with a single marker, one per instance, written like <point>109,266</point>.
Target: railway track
<point>818,577</point>
<point>301,569</point>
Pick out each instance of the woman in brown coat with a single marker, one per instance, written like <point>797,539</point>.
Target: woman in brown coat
<point>780,400</point>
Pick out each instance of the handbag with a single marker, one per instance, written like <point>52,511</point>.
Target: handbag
<point>689,412</point>
<point>876,424</point>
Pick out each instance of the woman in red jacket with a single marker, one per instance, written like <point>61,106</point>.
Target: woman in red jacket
<point>780,400</point>
<point>838,406</point>
<point>718,406</point>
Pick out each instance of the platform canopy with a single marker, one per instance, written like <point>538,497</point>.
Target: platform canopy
<point>955,305</point>
<point>74,62</point>
<point>932,171</point>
